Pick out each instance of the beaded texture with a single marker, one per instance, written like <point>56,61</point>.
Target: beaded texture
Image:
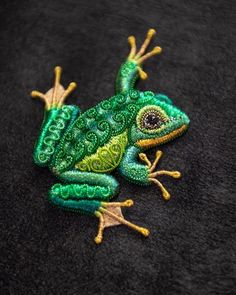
<point>81,149</point>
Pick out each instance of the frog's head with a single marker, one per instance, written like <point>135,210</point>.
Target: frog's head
<point>157,121</point>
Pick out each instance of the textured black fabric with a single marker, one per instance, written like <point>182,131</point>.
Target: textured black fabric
<point>191,247</point>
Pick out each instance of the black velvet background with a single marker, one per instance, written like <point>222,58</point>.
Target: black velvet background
<point>191,247</point>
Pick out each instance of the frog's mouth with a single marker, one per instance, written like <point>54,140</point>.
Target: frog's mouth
<point>151,142</point>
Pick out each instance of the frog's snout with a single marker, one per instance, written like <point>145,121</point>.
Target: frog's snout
<point>185,119</point>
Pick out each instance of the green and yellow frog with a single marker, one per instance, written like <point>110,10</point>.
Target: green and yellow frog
<point>82,149</point>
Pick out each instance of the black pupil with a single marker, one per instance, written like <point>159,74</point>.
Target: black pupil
<point>152,120</point>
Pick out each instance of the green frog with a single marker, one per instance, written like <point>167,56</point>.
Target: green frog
<point>82,148</point>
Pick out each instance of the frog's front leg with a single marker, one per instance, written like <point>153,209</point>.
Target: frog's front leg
<point>144,174</point>
<point>132,68</point>
<point>89,193</point>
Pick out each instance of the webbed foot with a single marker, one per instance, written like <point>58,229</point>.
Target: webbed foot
<point>140,56</point>
<point>152,175</point>
<point>110,214</point>
<point>55,96</point>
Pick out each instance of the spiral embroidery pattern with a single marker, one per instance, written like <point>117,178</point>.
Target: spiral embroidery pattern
<point>107,158</point>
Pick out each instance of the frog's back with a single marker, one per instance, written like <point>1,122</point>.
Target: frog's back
<point>95,128</point>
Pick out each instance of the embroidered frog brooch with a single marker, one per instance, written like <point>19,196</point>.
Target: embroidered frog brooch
<point>81,149</point>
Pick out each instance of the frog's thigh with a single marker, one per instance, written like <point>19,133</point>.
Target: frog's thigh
<point>85,191</point>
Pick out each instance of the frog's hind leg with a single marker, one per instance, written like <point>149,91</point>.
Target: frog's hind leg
<point>89,193</point>
<point>110,214</point>
<point>55,97</point>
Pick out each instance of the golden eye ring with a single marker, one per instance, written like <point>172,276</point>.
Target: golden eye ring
<point>151,118</point>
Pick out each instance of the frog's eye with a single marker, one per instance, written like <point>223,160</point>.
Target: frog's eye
<point>151,118</point>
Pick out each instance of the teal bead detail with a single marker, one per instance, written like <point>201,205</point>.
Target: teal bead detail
<point>83,206</point>
<point>84,192</point>
<point>133,171</point>
<point>126,77</point>
<point>81,191</point>
<point>55,122</point>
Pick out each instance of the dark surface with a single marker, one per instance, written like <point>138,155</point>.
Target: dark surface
<point>191,247</point>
